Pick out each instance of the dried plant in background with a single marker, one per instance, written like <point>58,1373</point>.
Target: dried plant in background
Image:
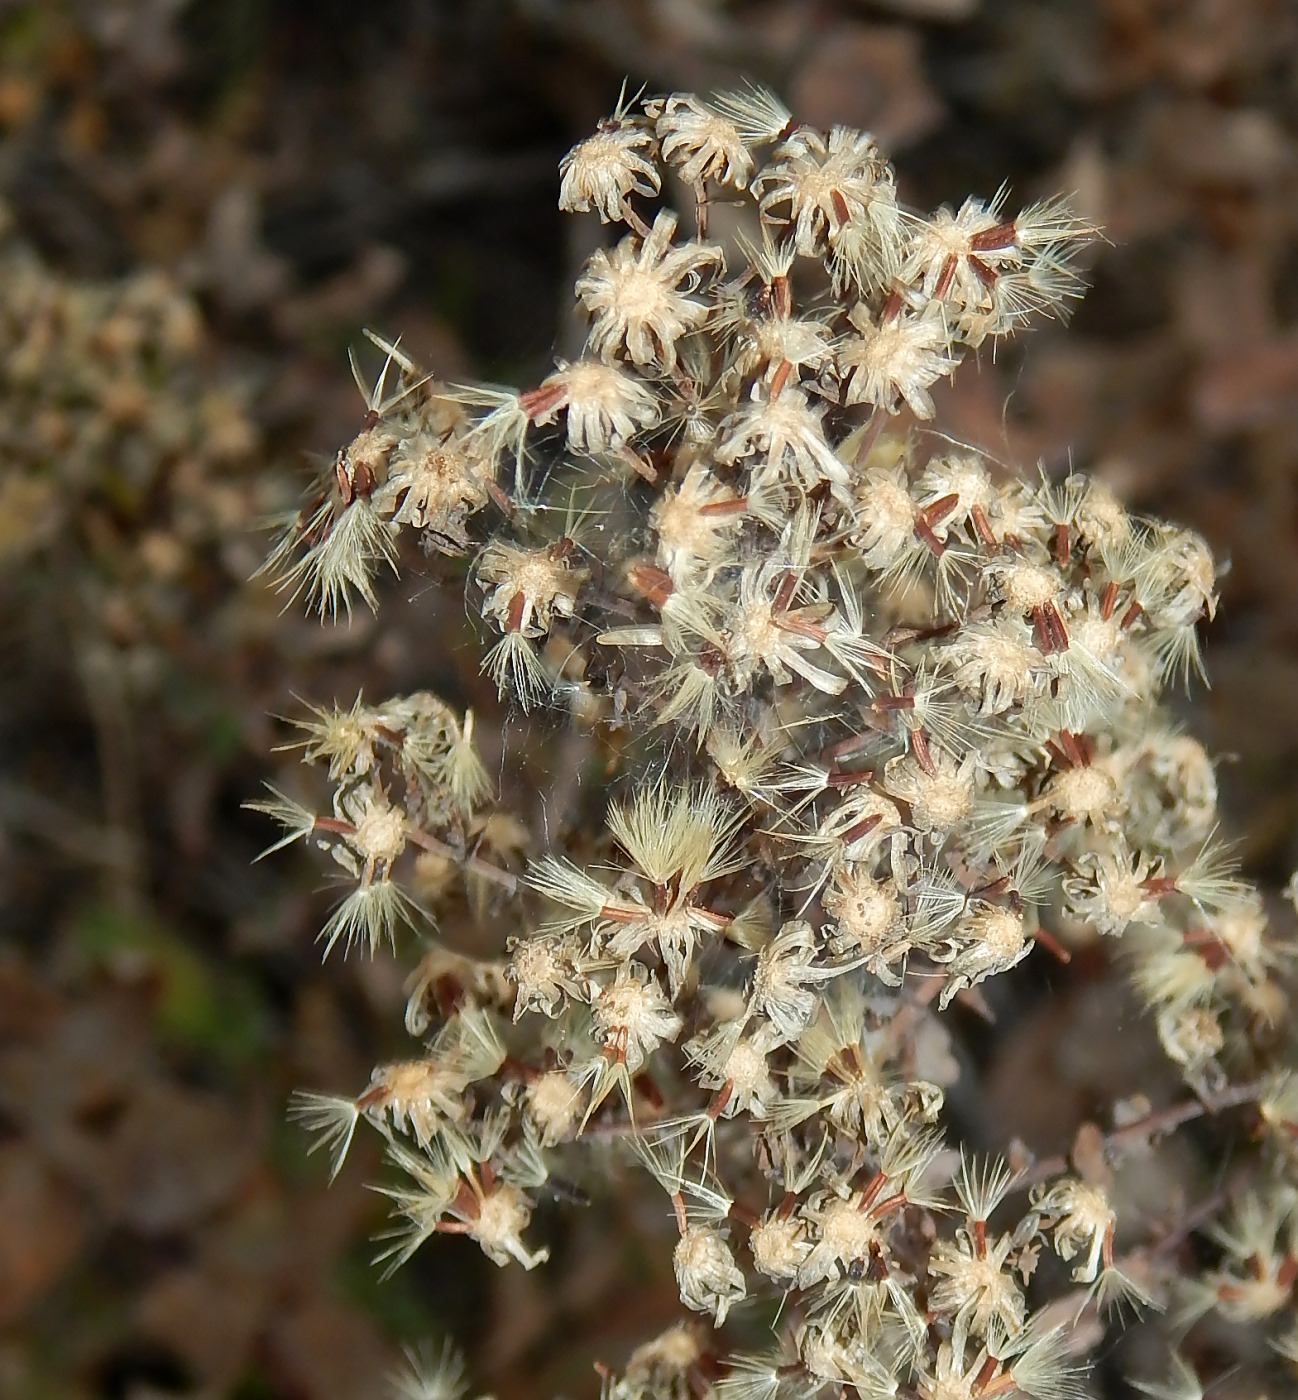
<point>883,718</point>
<point>125,487</point>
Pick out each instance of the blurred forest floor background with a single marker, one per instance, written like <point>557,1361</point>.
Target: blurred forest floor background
<point>203,202</point>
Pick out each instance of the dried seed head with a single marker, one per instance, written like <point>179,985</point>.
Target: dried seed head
<point>826,183</point>
<point>867,910</point>
<point>1082,1219</point>
<point>601,171</point>
<point>1086,794</point>
<point>501,1218</point>
<point>893,363</point>
<point>553,1104</point>
<point>695,521</point>
<point>1191,1037</point>
<point>604,405</point>
<point>380,833</point>
<point>544,970</point>
<point>706,1273</point>
<point>634,1016</point>
<point>434,483</point>
<point>940,795</point>
<point>700,142</point>
<point>990,939</point>
<point>996,663</point>
<point>639,295</point>
<point>526,589</point>
<point>1026,586</point>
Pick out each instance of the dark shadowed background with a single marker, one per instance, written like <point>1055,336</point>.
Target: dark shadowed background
<point>297,171</point>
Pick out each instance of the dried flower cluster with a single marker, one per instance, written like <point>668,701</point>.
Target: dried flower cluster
<point>105,405</point>
<point>888,719</point>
